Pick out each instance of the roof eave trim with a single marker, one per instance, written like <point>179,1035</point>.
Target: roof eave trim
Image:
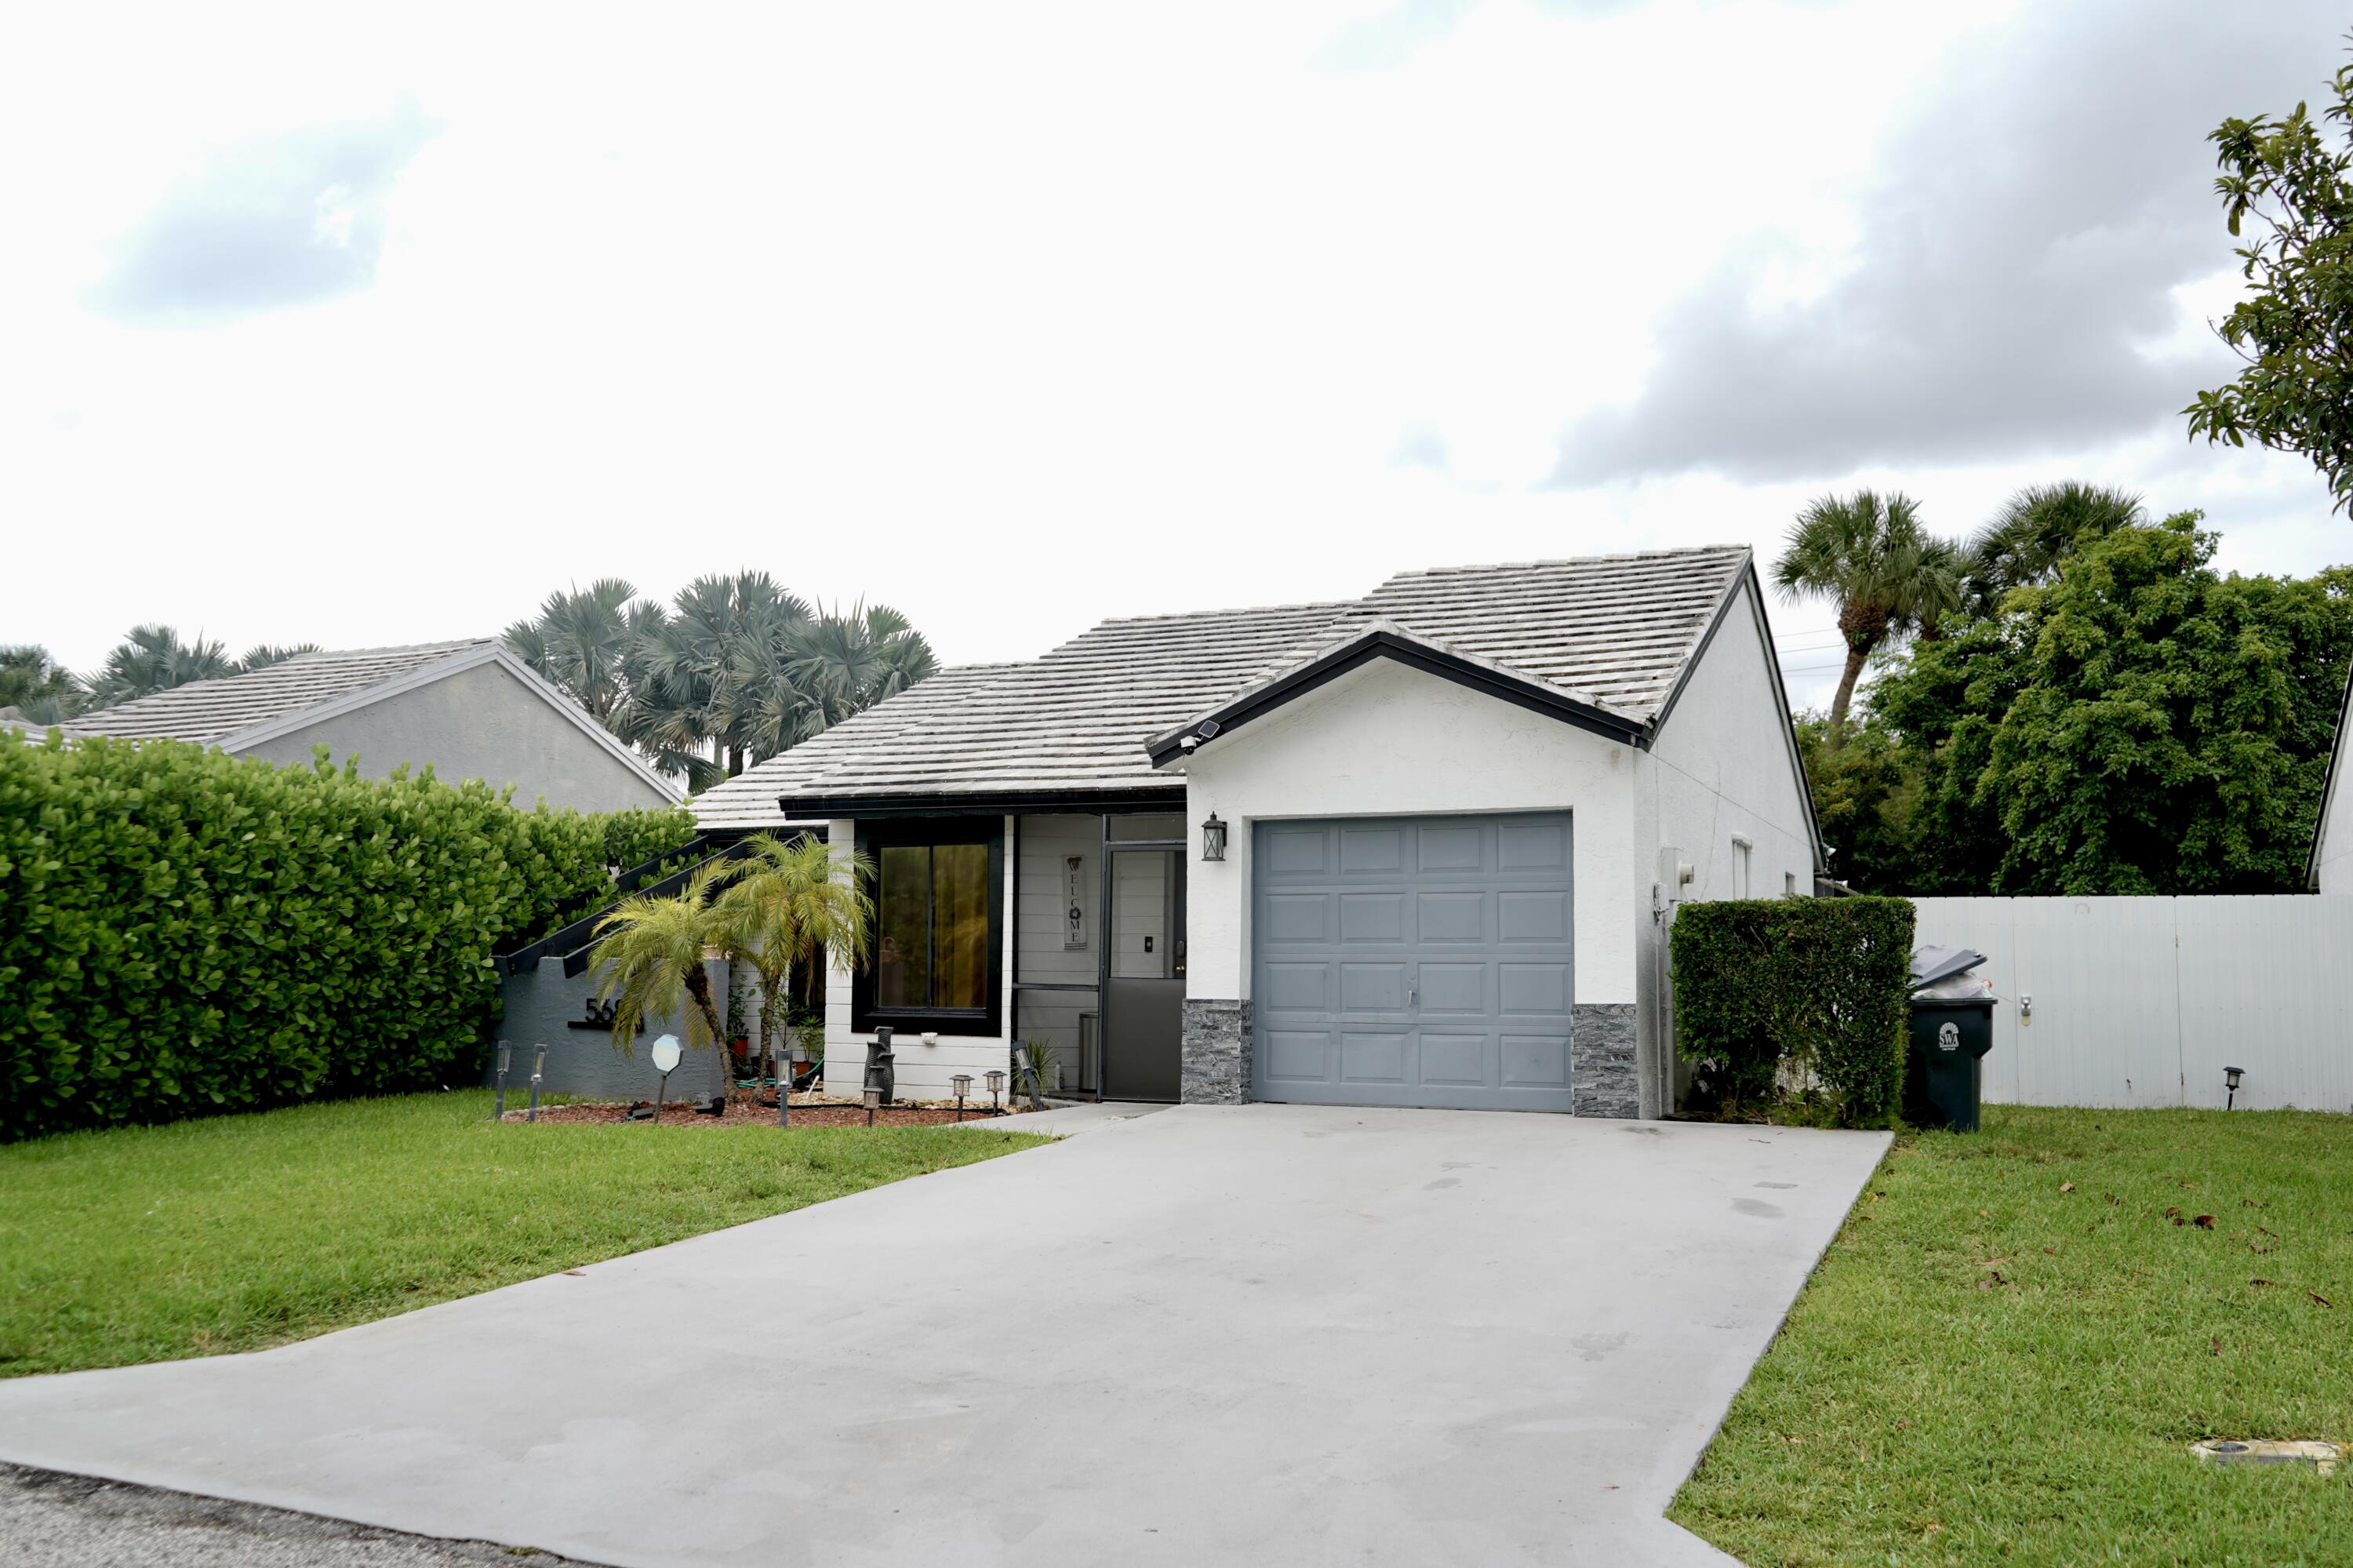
<point>1383,642</point>
<point>1084,799</point>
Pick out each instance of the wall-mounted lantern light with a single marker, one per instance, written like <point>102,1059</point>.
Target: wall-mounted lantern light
<point>1213,839</point>
<point>2231,1077</point>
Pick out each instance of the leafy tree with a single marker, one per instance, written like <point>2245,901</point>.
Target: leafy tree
<point>1864,792</point>
<point>790,904</point>
<point>38,688</point>
<point>152,659</point>
<point>583,640</point>
<point>2295,330</point>
<point>2144,724</point>
<point>2035,530</point>
<point>1868,555</point>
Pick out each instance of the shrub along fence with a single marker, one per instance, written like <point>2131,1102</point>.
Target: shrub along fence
<point>183,933</point>
<point>1799,999</point>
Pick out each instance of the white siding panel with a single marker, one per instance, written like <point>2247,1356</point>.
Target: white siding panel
<point>2143,1001</point>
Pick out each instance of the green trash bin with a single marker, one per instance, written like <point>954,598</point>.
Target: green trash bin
<point>1952,1029</point>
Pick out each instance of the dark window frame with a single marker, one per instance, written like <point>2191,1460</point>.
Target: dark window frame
<point>984,1021</point>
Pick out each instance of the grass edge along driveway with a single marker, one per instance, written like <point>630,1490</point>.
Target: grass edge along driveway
<point>2005,1353</point>
<point>241,1232</point>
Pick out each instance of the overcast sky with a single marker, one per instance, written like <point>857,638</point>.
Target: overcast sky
<point>354,329</point>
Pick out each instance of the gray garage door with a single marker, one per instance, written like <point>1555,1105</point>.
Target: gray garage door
<point>1412,961</point>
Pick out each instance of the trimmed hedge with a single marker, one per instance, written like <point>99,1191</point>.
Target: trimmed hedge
<point>184,933</point>
<point>1819,985</point>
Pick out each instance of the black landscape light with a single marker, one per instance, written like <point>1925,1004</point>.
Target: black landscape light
<point>963,1082</point>
<point>996,1077</point>
<point>2231,1077</point>
<point>506,1057</point>
<point>1213,838</point>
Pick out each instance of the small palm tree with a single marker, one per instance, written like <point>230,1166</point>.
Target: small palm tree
<point>1868,555</point>
<point>649,957</point>
<point>791,903</point>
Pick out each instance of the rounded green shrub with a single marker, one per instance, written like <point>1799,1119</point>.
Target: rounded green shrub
<point>183,933</point>
<point>1804,997</point>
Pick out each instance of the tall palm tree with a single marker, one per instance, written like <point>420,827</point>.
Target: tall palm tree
<point>153,658</point>
<point>2034,533</point>
<point>847,663</point>
<point>791,905</point>
<point>706,666</point>
<point>650,954</point>
<point>1868,555</point>
<point>582,641</point>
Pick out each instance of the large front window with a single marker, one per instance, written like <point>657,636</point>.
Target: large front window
<point>932,914</point>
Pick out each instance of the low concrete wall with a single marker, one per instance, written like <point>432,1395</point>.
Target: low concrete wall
<point>538,1008</point>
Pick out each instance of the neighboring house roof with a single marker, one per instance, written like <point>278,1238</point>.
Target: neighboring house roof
<point>1606,640</point>
<point>212,713</point>
<point>238,713</point>
<point>2330,782</point>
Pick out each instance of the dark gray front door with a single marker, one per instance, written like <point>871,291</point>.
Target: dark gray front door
<point>1144,981</point>
<point>1412,961</point>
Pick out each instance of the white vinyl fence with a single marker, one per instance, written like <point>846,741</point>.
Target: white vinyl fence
<point>2143,1001</point>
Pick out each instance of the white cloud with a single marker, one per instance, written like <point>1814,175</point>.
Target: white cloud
<point>1011,316</point>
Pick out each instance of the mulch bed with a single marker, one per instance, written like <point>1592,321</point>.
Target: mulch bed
<point>815,1113</point>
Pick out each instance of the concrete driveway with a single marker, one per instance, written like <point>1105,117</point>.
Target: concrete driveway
<point>1249,1335</point>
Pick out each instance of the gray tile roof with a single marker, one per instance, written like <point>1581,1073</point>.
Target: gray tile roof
<point>210,712</point>
<point>1614,632</point>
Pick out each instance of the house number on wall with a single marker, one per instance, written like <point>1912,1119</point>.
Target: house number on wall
<point>1074,913</point>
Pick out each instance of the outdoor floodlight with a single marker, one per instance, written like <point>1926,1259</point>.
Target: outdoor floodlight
<point>1213,838</point>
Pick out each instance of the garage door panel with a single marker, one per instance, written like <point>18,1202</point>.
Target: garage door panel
<point>1454,1060</point>
<point>1297,1056</point>
<point>1533,988</point>
<point>1531,915</point>
<point>1291,986</point>
<point>1452,917</point>
<point>1535,1061</point>
<point>1366,850</point>
<point>1454,988</point>
<point>1415,961</point>
<point>1372,987</point>
<point>1297,918</point>
<point>1372,1058</point>
<point>1532,847</point>
<point>1450,847</point>
<point>1287,849</point>
<point>1372,917</point>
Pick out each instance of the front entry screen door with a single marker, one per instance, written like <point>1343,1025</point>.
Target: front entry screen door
<point>1413,961</point>
<point>1143,992</point>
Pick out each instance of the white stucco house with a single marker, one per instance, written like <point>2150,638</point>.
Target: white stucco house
<point>1416,849</point>
<point>470,709</point>
<point>2330,868</point>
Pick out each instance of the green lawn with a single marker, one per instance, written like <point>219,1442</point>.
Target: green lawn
<point>148,1244</point>
<point>1991,1368</point>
